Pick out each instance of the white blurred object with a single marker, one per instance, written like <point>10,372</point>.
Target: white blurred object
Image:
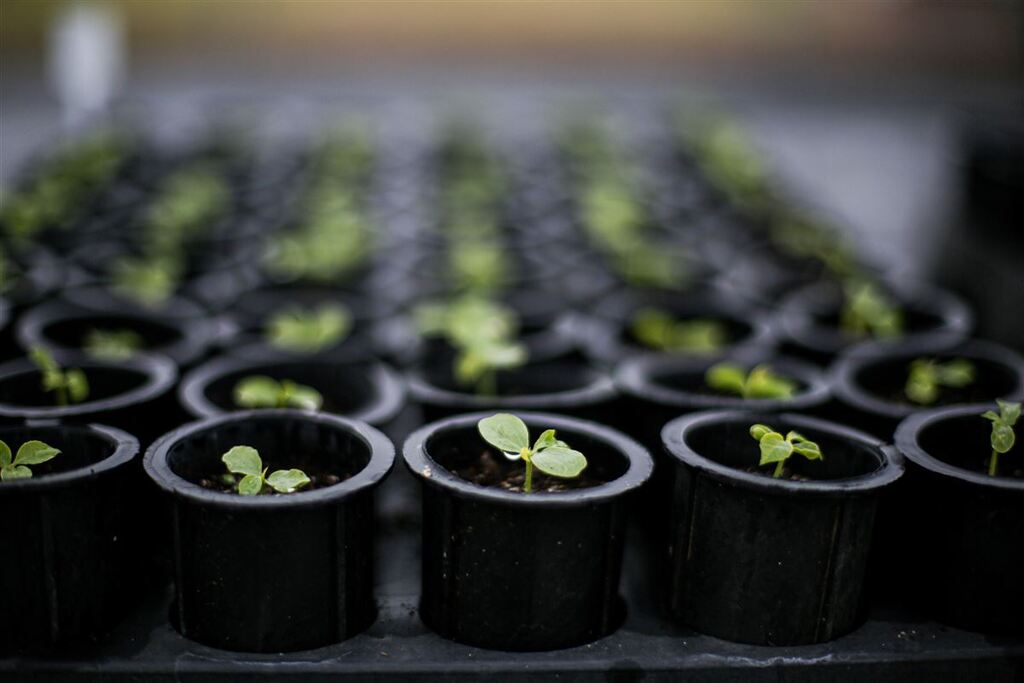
<point>86,59</point>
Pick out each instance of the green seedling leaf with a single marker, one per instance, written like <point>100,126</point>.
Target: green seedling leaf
<point>1002,438</point>
<point>303,331</point>
<point>300,396</point>
<point>260,391</point>
<point>77,384</point>
<point>658,330</point>
<point>506,432</point>
<point>760,383</point>
<point>287,481</point>
<point>775,448</point>
<point>728,377</point>
<point>778,449</point>
<point>5,454</point>
<point>759,431</point>
<point>15,472</point>
<point>250,485</point>
<point>926,378</point>
<point>68,385</point>
<point>112,344</point>
<point>545,440</point>
<point>243,460</point>
<point>557,461</point>
<point>29,453</point>
<point>553,457</point>
<point>869,311</point>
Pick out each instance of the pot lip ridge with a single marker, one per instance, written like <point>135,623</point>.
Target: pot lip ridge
<point>848,391</point>
<point>160,375</point>
<point>382,458</point>
<point>674,433</point>
<point>192,388</point>
<point>906,439</point>
<point>125,448</point>
<point>633,377</point>
<point>429,471</point>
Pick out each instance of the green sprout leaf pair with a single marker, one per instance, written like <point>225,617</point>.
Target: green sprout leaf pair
<point>149,281</point>
<point>260,391</point>
<point>1002,437</point>
<point>112,344</point>
<point>760,383</point>
<point>777,449</point>
<point>658,330</point>
<point>868,311</point>
<point>927,376</point>
<point>69,386</point>
<point>553,457</point>
<point>30,453</point>
<point>246,462</point>
<point>309,331</point>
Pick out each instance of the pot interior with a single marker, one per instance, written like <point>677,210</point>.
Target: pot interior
<point>72,332</point>
<point>886,379</point>
<point>730,444</point>
<point>79,446</point>
<point>544,377</point>
<point>283,442</point>
<point>25,388</point>
<point>963,441</point>
<point>455,448</point>
<point>346,388</point>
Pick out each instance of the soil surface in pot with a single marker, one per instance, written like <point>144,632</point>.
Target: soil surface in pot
<point>887,380</point>
<point>500,472</point>
<point>964,442</point>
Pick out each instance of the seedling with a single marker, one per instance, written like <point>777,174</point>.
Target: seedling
<point>309,331</point>
<point>927,376</point>
<point>760,382</point>
<point>112,344</point>
<point>868,310</point>
<point>30,453</point>
<point>777,449</point>
<point>260,391</point>
<point>511,436</point>
<point>70,386</point>
<point>245,461</point>
<point>658,330</point>
<point>148,281</point>
<point>1002,437</point>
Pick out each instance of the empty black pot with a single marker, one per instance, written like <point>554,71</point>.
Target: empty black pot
<point>768,561</point>
<point>958,531</point>
<point>371,392</point>
<point>868,381</point>
<point>515,571</point>
<point>68,542</point>
<point>272,573</point>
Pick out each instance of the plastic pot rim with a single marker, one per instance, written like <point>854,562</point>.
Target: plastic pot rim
<point>907,443</point>
<point>430,472</point>
<point>382,459</point>
<point>674,437</point>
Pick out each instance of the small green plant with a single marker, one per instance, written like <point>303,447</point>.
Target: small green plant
<point>308,331</point>
<point>759,382</point>
<point>112,344</point>
<point>510,435</point>
<point>245,461</point>
<point>1002,437</point>
<point>70,386</point>
<point>658,330</point>
<point>30,453</point>
<point>149,281</point>
<point>927,376</point>
<point>260,391</point>
<point>868,311</point>
<point>777,449</point>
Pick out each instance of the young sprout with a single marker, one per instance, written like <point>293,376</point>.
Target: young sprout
<point>926,376</point>
<point>30,453</point>
<point>308,331</point>
<point>868,310</point>
<point>69,385</point>
<point>148,281</point>
<point>777,449</point>
<point>477,266</point>
<point>260,391</point>
<point>760,382</point>
<point>246,462</point>
<point>1002,437</point>
<point>658,330</point>
<point>510,435</point>
<point>112,344</point>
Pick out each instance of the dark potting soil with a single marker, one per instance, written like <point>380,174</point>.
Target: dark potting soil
<point>487,470</point>
<point>319,480</point>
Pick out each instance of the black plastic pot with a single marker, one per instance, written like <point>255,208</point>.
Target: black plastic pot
<point>371,392</point>
<point>868,381</point>
<point>61,326</point>
<point>933,318</point>
<point>958,531</point>
<point>608,339</point>
<point>514,571</point>
<point>568,386</point>
<point>272,573</point>
<point>133,394</point>
<point>754,559</point>
<point>68,558</point>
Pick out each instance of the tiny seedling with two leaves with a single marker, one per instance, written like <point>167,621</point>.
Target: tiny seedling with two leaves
<point>112,344</point>
<point>777,449</point>
<point>759,383</point>
<point>926,378</point>
<point>1002,437</point>
<point>260,391</point>
<point>553,457</point>
<point>658,330</point>
<point>245,462</point>
<point>69,386</point>
<point>30,453</point>
<point>868,311</point>
<point>308,331</point>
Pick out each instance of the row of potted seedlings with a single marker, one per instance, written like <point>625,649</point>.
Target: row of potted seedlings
<point>535,435</point>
